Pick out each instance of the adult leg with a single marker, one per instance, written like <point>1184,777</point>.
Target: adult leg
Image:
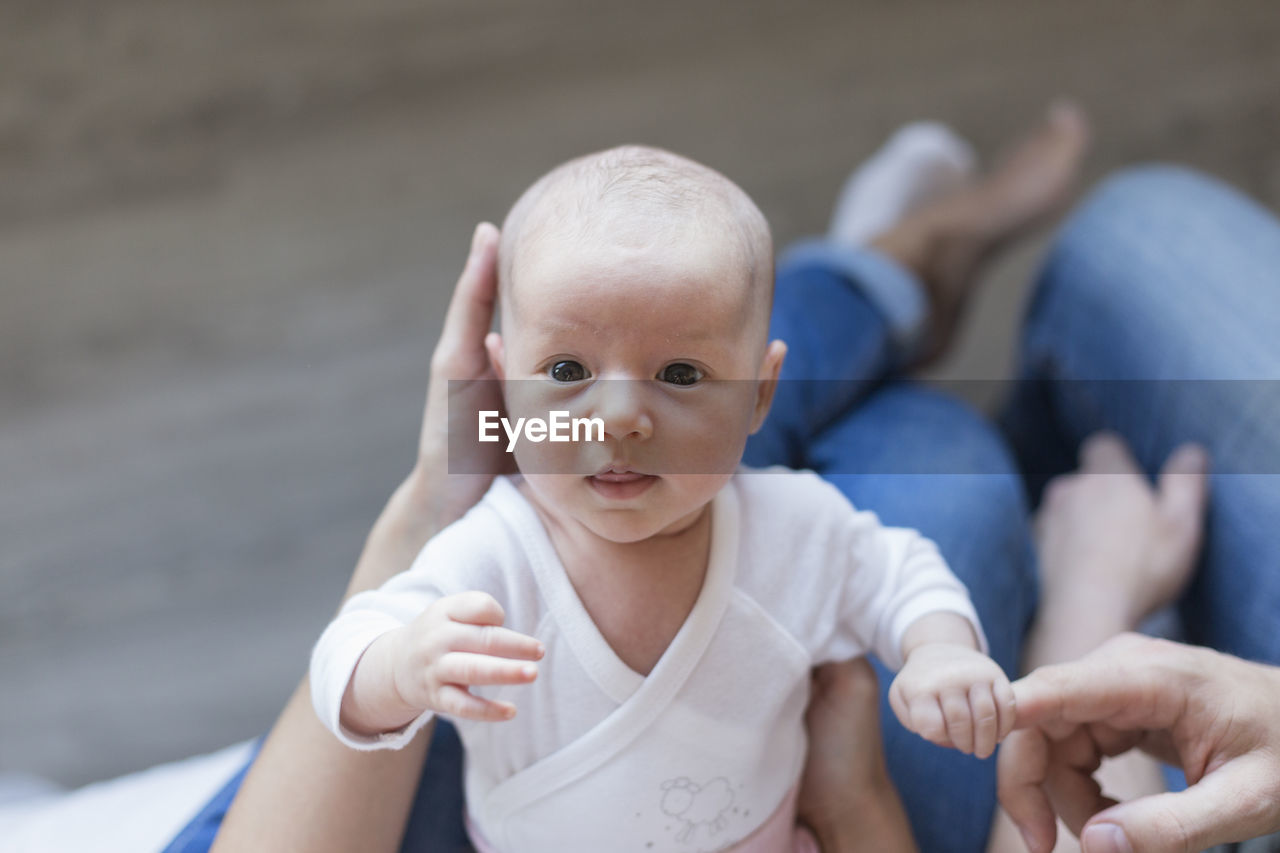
<point>1156,316</point>
<point>435,823</point>
<point>840,343</point>
<point>924,460</point>
<point>853,315</point>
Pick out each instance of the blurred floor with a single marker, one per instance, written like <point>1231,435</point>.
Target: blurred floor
<point>227,232</point>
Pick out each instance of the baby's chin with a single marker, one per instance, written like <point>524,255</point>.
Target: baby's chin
<point>628,526</point>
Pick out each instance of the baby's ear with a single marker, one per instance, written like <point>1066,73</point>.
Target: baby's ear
<point>770,367</point>
<point>497,354</point>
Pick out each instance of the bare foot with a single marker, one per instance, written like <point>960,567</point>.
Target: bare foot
<point>946,242</point>
<point>846,795</point>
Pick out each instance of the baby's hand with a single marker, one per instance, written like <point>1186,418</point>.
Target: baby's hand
<point>457,643</point>
<point>954,696</point>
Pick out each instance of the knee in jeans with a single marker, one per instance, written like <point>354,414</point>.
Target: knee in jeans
<point>946,435</point>
<point>942,433</point>
<point>1134,206</point>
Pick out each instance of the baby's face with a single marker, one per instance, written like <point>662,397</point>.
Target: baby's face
<point>667,347</point>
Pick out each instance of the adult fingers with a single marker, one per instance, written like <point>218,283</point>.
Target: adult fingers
<point>471,309</point>
<point>473,669</point>
<point>491,640</point>
<point>1231,804</point>
<point>1021,768</point>
<point>473,608</point>
<point>1076,796</point>
<point>1074,793</point>
<point>1106,453</point>
<point>457,702</point>
<point>1121,682</point>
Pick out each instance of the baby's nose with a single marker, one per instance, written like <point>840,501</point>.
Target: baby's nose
<point>623,408</point>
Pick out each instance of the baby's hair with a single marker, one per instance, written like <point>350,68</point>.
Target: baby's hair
<point>619,186</point>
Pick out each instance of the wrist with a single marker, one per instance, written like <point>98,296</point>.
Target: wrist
<point>374,703</point>
<point>937,630</point>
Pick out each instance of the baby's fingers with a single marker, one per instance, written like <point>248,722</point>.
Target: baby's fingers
<point>986,720</point>
<point>457,702</point>
<point>955,708</point>
<point>473,669</point>
<point>492,640</point>
<point>1006,707</point>
<point>927,720</point>
<point>473,608</point>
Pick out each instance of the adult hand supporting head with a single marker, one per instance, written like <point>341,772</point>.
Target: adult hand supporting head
<point>462,383</point>
<point>305,790</point>
<point>1211,714</point>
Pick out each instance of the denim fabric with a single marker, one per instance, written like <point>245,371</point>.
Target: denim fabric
<point>839,347</point>
<point>1156,315</point>
<point>971,503</point>
<point>435,825</point>
<point>894,292</point>
<point>197,836</point>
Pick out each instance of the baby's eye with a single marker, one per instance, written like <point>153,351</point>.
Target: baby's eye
<point>680,374</point>
<point>568,371</point>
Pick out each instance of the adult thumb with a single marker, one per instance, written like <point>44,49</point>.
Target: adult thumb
<point>1210,813</point>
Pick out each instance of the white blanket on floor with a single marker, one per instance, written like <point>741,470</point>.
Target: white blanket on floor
<point>136,813</point>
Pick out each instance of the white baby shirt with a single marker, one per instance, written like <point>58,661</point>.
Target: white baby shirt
<point>699,753</point>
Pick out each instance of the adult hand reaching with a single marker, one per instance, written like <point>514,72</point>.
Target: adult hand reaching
<point>1211,714</point>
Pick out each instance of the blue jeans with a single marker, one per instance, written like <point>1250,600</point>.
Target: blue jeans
<point>921,459</point>
<point>1157,316</point>
<point>917,458</point>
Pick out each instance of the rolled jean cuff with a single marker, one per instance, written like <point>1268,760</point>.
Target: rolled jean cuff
<point>894,292</point>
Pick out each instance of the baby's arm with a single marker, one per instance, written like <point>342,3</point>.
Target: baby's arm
<point>396,655</point>
<point>895,596</point>
<point>948,691</point>
<point>427,665</point>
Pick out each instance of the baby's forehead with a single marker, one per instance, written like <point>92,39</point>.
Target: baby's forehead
<point>679,265</point>
<point>635,205</point>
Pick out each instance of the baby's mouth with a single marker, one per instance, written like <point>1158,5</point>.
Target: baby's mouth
<point>620,482</point>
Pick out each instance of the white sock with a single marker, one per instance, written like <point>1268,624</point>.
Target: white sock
<point>921,162</point>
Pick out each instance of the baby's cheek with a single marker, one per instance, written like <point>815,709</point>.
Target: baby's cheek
<point>706,435</point>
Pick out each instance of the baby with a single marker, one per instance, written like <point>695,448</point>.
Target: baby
<point>676,600</point>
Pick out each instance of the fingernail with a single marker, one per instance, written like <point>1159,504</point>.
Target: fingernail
<point>475,241</point>
<point>1105,838</point>
<point>530,670</point>
<point>1033,843</point>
